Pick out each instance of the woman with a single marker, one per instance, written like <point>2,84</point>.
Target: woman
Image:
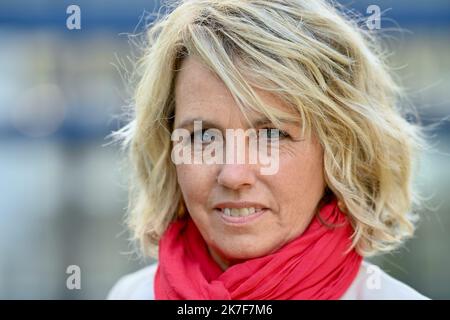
<point>314,89</point>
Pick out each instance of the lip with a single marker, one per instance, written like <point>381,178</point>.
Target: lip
<point>260,211</point>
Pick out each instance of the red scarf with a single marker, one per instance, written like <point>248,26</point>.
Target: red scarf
<point>312,266</point>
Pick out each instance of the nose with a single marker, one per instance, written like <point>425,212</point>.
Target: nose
<point>236,176</point>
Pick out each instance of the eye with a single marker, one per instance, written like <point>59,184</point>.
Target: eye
<point>202,135</point>
<point>275,133</point>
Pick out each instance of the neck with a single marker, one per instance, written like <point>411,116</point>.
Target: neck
<point>222,262</point>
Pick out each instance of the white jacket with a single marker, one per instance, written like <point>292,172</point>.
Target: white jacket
<point>371,283</point>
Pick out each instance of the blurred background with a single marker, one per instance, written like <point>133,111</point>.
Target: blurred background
<point>63,192</point>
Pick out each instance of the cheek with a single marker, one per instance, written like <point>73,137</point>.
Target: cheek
<point>194,182</point>
<point>300,178</point>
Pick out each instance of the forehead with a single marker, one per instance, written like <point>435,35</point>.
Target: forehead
<point>196,84</point>
<point>199,91</point>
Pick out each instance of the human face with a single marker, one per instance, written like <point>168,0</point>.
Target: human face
<point>289,196</point>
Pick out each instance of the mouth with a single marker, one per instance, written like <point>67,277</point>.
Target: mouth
<point>240,215</point>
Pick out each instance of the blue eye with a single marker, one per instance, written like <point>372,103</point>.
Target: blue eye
<point>202,135</point>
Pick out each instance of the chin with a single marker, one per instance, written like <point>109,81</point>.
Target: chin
<point>238,251</point>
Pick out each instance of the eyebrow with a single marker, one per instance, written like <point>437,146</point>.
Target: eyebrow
<point>205,122</point>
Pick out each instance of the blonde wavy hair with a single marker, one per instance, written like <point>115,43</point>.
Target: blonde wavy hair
<point>318,59</point>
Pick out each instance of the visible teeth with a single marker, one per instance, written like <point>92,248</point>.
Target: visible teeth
<point>241,212</point>
<point>235,212</point>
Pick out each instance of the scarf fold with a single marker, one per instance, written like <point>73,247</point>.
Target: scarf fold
<point>312,266</point>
